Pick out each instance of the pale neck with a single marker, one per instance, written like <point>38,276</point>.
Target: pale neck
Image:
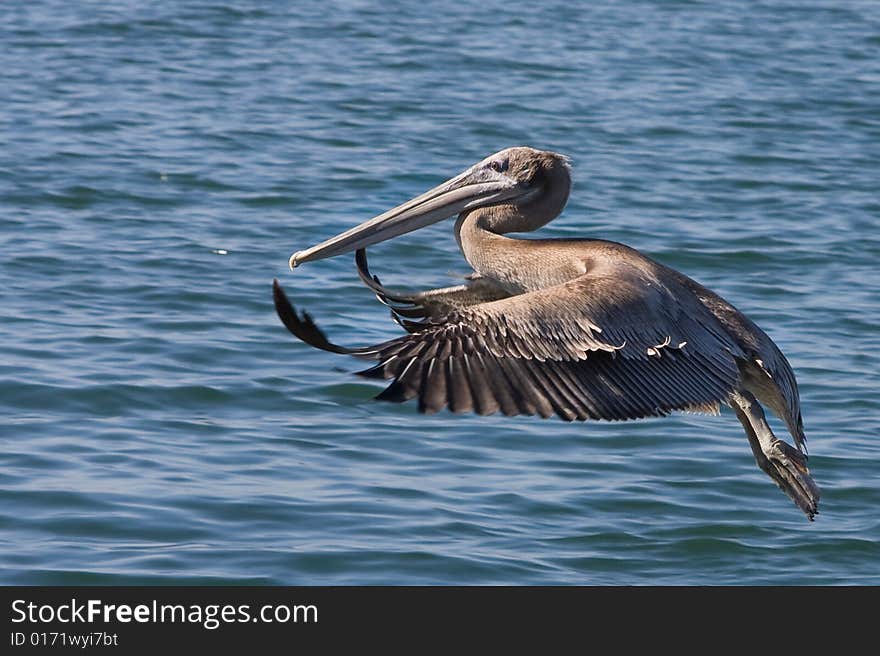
<point>514,263</point>
<point>518,265</point>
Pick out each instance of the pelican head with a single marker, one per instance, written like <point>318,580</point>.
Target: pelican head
<point>527,188</point>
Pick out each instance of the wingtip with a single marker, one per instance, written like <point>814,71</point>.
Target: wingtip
<point>303,327</point>
<point>278,295</point>
<point>282,304</point>
<point>284,309</point>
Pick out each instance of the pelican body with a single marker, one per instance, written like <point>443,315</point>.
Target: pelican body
<point>578,328</point>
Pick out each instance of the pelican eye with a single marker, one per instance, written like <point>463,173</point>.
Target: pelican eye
<point>499,166</point>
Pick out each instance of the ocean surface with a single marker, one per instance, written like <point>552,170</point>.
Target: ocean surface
<point>160,161</point>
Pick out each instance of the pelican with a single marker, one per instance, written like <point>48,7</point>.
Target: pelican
<point>579,328</point>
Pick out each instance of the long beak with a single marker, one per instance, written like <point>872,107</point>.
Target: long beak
<point>476,187</point>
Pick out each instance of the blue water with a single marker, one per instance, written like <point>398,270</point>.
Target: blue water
<point>160,161</point>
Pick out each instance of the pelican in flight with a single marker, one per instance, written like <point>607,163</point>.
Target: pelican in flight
<point>579,328</point>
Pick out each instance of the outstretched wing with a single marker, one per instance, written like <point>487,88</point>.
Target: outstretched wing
<point>613,346</point>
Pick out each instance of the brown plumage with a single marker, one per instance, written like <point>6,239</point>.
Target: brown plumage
<point>583,329</point>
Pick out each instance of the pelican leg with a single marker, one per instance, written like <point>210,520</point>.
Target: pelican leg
<point>782,462</point>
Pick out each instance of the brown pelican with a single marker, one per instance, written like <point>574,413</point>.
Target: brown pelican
<point>579,328</point>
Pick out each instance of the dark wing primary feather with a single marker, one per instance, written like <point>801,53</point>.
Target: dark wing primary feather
<point>615,346</point>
